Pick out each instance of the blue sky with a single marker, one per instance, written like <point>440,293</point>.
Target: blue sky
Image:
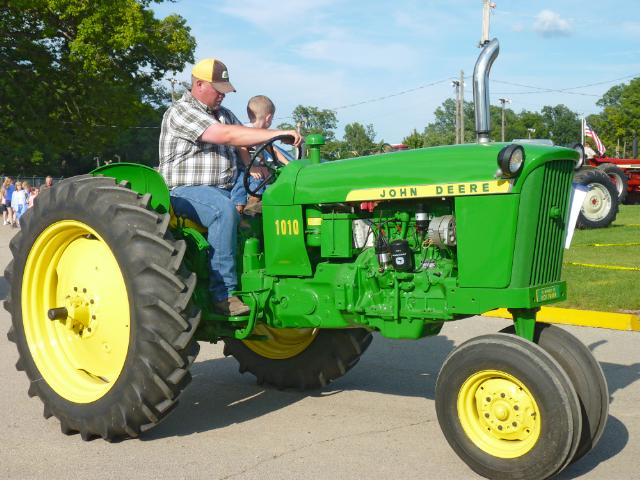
<point>336,53</point>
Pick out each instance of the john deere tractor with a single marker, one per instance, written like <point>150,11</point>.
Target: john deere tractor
<point>108,292</point>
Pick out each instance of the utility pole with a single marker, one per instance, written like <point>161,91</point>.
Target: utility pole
<point>459,85</point>
<point>173,82</point>
<point>461,106</point>
<point>456,84</point>
<point>503,101</point>
<point>487,5</point>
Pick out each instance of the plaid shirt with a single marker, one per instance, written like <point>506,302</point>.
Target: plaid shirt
<point>185,160</point>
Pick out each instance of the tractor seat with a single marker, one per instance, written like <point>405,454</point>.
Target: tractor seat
<point>181,222</point>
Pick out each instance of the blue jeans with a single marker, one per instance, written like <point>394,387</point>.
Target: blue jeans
<point>213,208</point>
<point>239,193</point>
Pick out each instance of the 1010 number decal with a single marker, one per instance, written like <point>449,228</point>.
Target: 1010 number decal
<point>287,227</point>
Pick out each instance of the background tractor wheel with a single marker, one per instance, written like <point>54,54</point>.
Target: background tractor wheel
<point>619,179</point>
<point>600,206</point>
<point>100,307</point>
<point>507,408</point>
<point>586,376</point>
<point>299,358</point>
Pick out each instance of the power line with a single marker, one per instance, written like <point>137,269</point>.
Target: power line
<point>385,97</point>
<point>404,92</point>
<point>536,90</point>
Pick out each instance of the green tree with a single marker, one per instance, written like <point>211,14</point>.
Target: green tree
<point>562,123</point>
<point>77,75</point>
<point>414,139</point>
<point>358,139</point>
<point>313,120</point>
<point>620,118</point>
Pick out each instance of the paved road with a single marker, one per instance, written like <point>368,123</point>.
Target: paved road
<point>378,422</point>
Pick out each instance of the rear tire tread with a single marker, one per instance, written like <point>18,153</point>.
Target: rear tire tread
<point>159,290</point>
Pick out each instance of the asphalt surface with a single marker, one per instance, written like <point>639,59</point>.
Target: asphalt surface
<point>377,422</point>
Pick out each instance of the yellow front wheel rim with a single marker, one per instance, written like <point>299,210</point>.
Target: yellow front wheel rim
<point>281,343</point>
<point>499,414</point>
<point>81,356</point>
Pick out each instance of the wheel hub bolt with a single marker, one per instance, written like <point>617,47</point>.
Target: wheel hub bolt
<point>60,313</point>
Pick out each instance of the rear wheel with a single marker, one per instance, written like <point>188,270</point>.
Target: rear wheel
<point>299,358</point>
<point>100,307</point>
<point>600,205</point>
<point>586,376</point>
<point>507,408</point>
<point>619,179</point>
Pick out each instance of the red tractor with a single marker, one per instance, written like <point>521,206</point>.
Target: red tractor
<point>625,174</point>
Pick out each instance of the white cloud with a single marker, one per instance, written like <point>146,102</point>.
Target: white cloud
<point>271,17</point>
<point>359,54</point>
<point>343,47</point>
<point>550,24</point>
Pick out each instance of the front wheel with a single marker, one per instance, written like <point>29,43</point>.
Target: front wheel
<point>600,206</point>
<point>619,179</point>
<point>100,307</point>
<point>586,376</point>
<point>507,408</point>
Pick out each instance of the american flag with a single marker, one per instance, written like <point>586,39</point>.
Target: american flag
<point>589,132</point>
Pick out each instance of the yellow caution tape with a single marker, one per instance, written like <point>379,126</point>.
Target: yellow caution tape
<point>581,318</point>
<point>607,267</point>
<point>629,244</point>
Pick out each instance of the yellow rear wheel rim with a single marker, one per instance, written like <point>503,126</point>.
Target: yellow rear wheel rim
<point>499,414</point>
<point>281,343</point>
<point>82,356</point>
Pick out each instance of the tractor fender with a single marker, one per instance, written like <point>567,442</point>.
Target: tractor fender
<point>142,179</point>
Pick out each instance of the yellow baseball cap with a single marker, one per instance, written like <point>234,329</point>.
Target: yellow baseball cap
<point>214,71</point>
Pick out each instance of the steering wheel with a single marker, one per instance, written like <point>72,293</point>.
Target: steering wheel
<point>272,165</point>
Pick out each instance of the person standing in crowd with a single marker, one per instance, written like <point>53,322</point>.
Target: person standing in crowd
<point>3,201</point>
<point>32,196</point>
<point>9,188</point>
<point>48,182</point>
<point>18,204</point>
<point>201,147</point>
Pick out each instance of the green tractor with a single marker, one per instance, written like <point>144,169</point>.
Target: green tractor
<point>108,292</point>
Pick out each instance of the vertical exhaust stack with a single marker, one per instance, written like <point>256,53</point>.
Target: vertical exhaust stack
<point>481,89</point>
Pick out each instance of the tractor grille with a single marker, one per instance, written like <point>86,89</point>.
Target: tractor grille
<point>547,253</point>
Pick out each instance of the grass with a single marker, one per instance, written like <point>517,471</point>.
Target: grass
<point>605,289</point>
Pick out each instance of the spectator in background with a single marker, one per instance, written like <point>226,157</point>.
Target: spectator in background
<point>18,204</point>
<point>9,188</point>
<point>32,196</point>
<point>48,182</point>
<point>3,202</point>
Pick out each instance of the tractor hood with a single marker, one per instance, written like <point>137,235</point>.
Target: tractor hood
<point>429,172</point>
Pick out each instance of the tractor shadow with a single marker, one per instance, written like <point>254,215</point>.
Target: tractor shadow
<point>616,435</point>
<point>618,376</point>
<point>4,288</point>
<point>219,396</point>
<point>613,441</point>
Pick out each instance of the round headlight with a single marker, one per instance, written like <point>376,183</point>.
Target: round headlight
<point>511,160</point>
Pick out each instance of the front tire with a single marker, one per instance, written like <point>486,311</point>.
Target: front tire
<point>600,206</point>
<point>586,376</point>
<point>116,355</point>
<point>619,179</point>
<point>299,358</point>
<point>507,408</point>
